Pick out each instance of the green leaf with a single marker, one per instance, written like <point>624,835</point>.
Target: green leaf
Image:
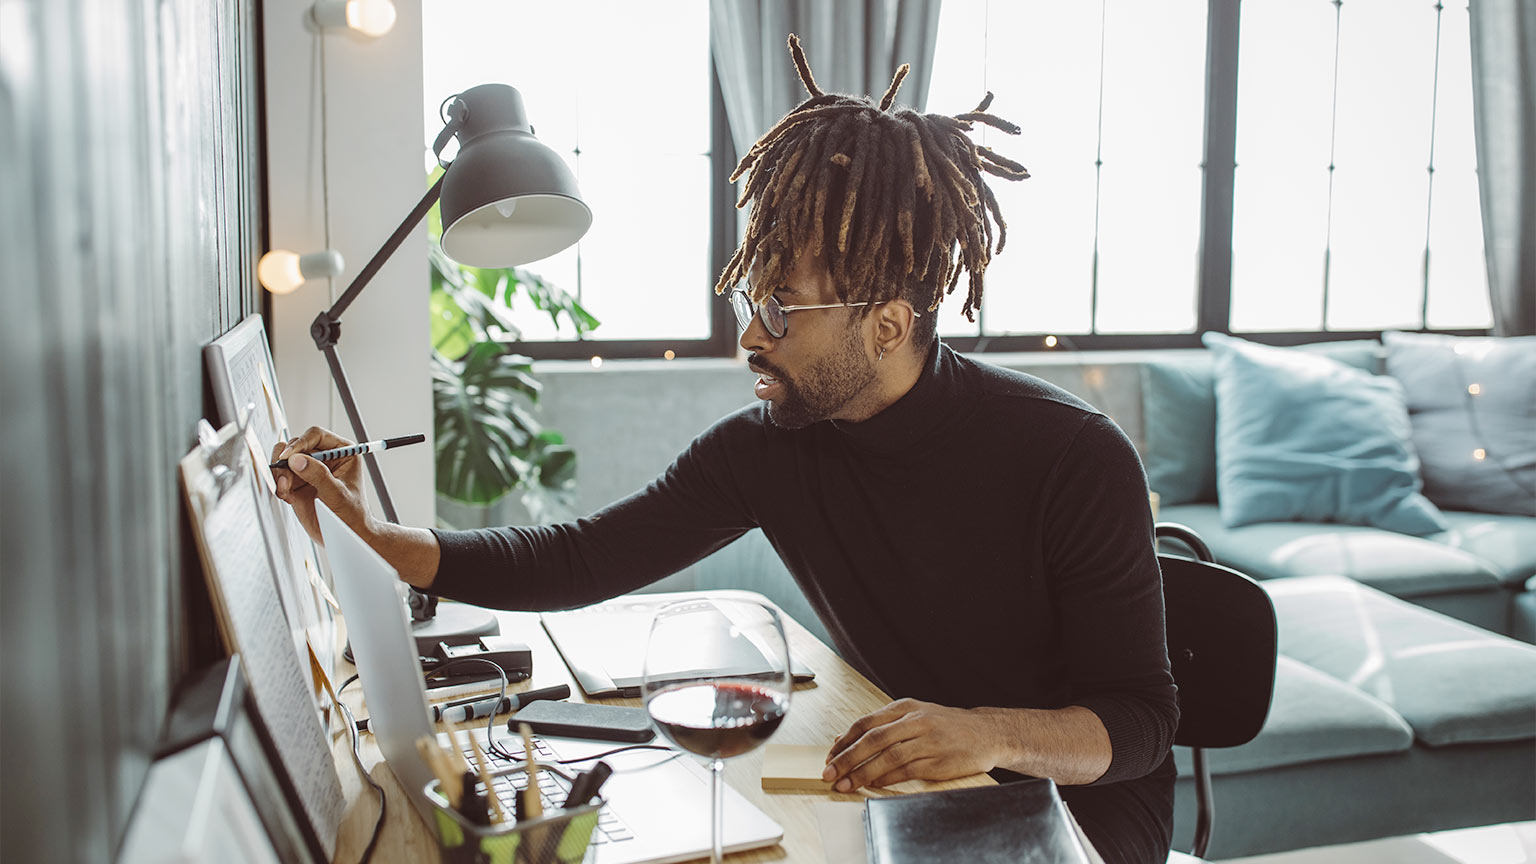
<point>557,470</point>
<point>484,440</point>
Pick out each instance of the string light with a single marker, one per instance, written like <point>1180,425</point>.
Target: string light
<point>1479,454</point>
<point>282,271</point>
<point>368,17</point>
<point>669,354</point>
<point>597,362</point>
<point>1474,389</point>
<point>1050,341</point>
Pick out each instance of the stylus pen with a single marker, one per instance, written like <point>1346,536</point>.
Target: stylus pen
<point>463,712</point>
<point>356,449</point>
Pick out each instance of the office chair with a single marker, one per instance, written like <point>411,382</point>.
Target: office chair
<point>1221,643</point>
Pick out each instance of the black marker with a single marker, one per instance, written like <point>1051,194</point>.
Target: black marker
<point>586,784</point>
<point>356,449</point>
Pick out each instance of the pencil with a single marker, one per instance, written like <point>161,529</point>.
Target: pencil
<point>532,808</point>
<point>500,815</point>
<point>438,762</point>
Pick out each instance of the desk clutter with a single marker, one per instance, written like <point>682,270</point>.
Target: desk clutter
<point>510,814</point>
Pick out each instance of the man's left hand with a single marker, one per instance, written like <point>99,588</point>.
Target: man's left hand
<point>912,740</point>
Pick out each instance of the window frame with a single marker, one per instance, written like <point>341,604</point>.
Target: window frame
<point>1213,291</point>
<point>721,341</point>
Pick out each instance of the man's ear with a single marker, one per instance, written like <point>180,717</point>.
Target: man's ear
<point>894,323</point>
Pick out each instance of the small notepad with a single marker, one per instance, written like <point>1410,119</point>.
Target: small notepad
<point>794,768</point>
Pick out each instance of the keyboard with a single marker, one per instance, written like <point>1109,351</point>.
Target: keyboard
<point>552,790</point>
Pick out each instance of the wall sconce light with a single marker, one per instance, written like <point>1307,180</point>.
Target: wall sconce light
<point>281,271</point>
<point>368,17</point>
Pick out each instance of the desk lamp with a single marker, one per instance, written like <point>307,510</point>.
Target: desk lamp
<point>507,199</point>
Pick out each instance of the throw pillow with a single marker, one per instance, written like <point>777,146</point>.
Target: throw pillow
<point>1178,394</point>
<point>1305,438</point>
<point>1472,403</point>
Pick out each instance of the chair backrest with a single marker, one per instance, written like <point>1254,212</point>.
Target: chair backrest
<point>1221,643</point>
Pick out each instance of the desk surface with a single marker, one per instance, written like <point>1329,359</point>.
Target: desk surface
<point>819,712</point>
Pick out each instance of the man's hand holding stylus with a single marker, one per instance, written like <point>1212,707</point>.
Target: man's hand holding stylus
<point>413,552</point>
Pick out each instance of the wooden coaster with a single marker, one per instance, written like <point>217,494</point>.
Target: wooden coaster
<point>794,768</point>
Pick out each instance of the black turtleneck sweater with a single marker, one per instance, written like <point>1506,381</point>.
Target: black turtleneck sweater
<point>985,541</point>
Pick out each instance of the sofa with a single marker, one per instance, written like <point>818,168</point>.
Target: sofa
<point>1405,700</point>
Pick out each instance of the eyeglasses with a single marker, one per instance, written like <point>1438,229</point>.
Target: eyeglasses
<point>775,315</point>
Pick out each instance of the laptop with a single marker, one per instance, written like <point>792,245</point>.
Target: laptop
<point>604,644</point>
<point>658,806</point>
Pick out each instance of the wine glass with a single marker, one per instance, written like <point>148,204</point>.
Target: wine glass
<point>717,682</point>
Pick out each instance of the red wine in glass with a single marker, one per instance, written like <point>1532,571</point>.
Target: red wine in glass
<point>718,719</point>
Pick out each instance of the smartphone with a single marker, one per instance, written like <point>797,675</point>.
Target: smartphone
<point>585,720</point>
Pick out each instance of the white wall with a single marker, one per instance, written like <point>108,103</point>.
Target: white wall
<point>344,167</point>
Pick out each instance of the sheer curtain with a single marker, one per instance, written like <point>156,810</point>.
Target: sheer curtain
<point>853,47</point>
<point>1504,111</point>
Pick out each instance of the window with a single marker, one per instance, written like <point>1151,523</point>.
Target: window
<point>1104,236</point>
<point>1354,199</point>
<point>1341,177</point>
<point>625,94</point>
<point>1355,196</point>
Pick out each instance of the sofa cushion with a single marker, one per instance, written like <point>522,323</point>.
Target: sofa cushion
<point>1179,419</point>
<point>1178,394</point>
<point>1313,717</point>
<point>1307,438</point>
<point>1508,543</point>
<point>1400,565</point>
<point>1452,682</point>
<point>1477,449</point>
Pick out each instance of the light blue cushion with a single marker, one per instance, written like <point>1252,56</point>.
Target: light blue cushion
<point>1312,717</point>
<point>1306,438</point>
<point>1453,683</point>
<point>1178,395</point>
<point>1400,565</point>
<point>1506,543</point>
<point>1179,420</point>
<point>1451,424</point>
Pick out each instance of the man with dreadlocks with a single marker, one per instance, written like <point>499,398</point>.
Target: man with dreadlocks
<point>977,541</point>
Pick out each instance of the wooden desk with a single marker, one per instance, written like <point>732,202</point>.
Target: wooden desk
<point>818,713</point>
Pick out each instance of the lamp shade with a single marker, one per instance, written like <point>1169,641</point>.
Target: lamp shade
<point>507,198</point>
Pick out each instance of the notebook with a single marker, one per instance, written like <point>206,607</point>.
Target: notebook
<point>1005,824</point>
<point>658,803</point>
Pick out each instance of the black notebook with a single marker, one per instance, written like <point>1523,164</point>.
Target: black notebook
<point>1009,823</point>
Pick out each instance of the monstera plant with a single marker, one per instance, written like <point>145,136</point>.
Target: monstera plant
<point>488,442</point>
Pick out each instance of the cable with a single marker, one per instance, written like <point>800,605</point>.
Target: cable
<point>501,694</point>
<point>357,759</point>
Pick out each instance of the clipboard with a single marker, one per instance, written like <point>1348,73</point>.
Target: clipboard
<point>219,480</point>
<point>243,378</point>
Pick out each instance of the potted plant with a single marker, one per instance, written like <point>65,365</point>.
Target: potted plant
<point>488,442</point>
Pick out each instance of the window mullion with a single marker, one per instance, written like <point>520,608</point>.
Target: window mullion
<point>1219,167</point>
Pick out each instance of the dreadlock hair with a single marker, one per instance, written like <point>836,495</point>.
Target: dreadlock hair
<point>884,195</point>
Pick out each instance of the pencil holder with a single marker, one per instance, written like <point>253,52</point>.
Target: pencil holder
<point>559,837</point>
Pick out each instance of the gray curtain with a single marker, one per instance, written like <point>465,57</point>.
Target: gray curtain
<point>853,46</point>
<point>1504,113</point>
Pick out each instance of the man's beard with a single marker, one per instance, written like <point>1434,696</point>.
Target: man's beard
<point>820,391</point>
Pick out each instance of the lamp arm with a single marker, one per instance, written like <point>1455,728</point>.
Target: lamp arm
<point>349,404</point>
<point>326,330</point>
